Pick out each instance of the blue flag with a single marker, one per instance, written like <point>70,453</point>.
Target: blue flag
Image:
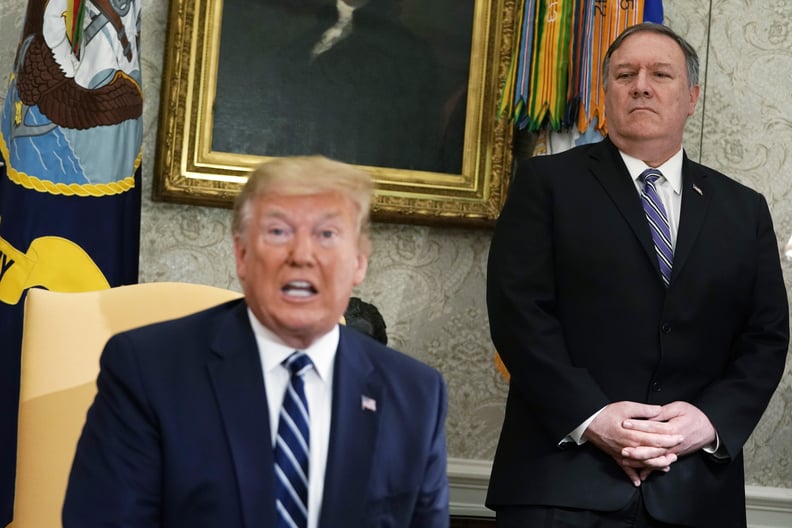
<point>70,150</point>
<point>653,11</point>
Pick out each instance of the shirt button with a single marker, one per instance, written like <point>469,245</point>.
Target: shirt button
<point>665,328</point>
<point>655,386</point>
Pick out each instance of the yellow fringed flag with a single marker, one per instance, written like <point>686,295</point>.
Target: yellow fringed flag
<point>71,132</point>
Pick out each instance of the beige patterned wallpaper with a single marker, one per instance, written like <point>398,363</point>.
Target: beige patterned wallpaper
<point>429,281</point>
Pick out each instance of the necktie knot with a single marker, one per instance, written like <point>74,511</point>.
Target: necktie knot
<point>298,363</point>
<point>650,176</point>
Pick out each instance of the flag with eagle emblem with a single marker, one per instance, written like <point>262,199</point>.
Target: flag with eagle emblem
<point>70,150</point>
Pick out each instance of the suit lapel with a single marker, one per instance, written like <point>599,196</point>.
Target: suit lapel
<point>353,433</point>
<point>235,370</point>
<point>696,196</point>
<point>608,167</point>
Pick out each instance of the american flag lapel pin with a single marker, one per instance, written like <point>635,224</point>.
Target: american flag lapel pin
<point>367,403</point>
<point>697,189</point>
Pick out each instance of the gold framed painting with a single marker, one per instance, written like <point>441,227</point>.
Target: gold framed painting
<point>406,89</point>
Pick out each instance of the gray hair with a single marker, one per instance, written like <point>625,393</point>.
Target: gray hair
<point>691,57</point>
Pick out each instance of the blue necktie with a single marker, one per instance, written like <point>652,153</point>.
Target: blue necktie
<point>658,222</point>
<point>292,447</point>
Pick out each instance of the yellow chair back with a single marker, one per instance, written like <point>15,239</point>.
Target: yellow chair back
<point>63,337</point>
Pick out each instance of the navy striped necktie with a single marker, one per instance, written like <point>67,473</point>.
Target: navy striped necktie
<point>292,447</point>
<point>658,222</point>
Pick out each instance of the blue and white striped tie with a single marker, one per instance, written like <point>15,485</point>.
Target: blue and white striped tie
<point>658,222</point>
<point>292,447</point>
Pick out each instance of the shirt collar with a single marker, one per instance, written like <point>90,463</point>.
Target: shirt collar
<point>274,351</point>
<point>671,169</point>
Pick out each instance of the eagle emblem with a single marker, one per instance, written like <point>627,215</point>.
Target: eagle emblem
<point>77,71</point>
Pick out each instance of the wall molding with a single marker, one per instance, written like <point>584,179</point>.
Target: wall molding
<point>468,479</point>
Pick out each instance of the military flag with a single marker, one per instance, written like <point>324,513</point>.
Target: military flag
<point>70,152</point>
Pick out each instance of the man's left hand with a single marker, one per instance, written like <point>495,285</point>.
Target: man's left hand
<point>680,418</point>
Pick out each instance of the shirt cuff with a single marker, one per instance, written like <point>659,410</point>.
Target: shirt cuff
<point>716,449</point>
<point>576,435</point>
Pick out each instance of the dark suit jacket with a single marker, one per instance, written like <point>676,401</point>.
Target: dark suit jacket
<point>179,433</point>
<point>580,317</point>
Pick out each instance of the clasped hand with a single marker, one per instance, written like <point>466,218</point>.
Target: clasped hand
<point>643,438</point>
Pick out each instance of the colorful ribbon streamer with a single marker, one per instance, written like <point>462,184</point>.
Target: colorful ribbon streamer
<point>555,79</point>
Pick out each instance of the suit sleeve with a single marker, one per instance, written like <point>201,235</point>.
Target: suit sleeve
<point>115,477</point>
<point>431,509</point>
<point>522,307</point>
<point>735,403</point>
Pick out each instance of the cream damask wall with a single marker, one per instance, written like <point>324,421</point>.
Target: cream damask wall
<point>429,282</point>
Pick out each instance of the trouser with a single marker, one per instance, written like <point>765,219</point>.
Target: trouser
<point>633,515</point>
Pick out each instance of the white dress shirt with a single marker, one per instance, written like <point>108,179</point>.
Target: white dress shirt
<point>669,187</point>
<point>318,391</point>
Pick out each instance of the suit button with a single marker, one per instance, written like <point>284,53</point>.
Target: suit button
<point>655,386</point>
<point>665,328</point>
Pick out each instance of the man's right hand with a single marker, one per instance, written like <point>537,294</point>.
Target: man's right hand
<point>608,433</point>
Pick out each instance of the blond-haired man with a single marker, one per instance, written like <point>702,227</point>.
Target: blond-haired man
<point>192,423</point>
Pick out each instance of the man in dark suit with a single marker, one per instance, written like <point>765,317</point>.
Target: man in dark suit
<point>191,415</point>
<point>630,397</point>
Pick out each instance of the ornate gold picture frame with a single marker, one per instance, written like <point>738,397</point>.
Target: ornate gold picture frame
<point>189,170</point>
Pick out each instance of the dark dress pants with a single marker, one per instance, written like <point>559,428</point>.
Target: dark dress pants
<point>633,515</point>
